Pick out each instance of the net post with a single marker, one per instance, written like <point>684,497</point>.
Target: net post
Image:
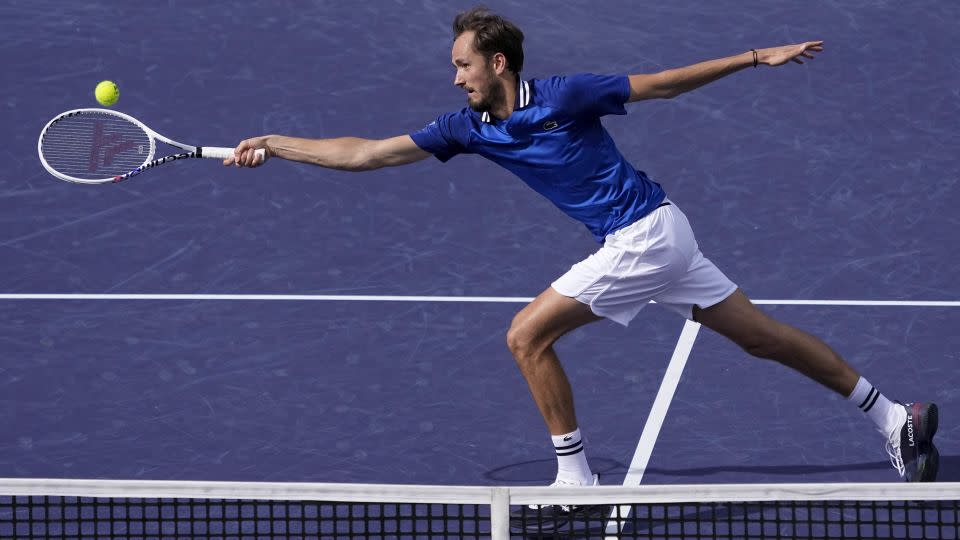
<point>500,513</point>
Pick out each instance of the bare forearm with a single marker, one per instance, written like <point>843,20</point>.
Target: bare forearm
<point>673,82</point>
<point>680,80</point>
<point>344,153</point>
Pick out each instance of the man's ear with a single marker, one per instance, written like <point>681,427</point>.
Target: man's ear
<point>499,62</point>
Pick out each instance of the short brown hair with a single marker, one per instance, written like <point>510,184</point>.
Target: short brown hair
<point>492,34</point>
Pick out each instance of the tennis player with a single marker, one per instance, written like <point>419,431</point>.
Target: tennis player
<point>548,133</point>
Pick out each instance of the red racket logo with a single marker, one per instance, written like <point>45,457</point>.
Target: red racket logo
<point>110,144</point>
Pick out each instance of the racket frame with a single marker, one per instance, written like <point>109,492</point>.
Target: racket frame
<point>190,151</point>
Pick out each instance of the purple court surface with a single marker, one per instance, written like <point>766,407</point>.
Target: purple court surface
<point>836,181</point>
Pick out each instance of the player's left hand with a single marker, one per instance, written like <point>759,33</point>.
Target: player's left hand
<point>776,56</point>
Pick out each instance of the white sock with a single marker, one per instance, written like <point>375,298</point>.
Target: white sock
<point>885,414</point>
<point>572,466</point>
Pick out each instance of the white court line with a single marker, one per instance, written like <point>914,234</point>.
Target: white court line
<point>911,303</point>
<point>268,297</point>
<point>400,298</point>
<point>651,430</point>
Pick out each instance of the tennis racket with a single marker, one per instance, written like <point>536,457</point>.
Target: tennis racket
<point>99,146</point>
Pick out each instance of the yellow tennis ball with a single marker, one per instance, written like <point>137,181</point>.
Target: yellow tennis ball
<point>107,93</point>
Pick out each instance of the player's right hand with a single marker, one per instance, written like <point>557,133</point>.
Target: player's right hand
<point>245,154</point>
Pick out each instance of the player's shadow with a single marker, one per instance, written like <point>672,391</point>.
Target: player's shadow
<point>542,471</point>
<point>949,469</point>
<point>772,470</point>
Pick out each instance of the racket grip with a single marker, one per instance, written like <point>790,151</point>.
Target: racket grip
<point>217,152</point>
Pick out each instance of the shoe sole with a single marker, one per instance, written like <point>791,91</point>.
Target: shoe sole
<point>532,531</point>
<point>926,416</point>
<point>556,525</point>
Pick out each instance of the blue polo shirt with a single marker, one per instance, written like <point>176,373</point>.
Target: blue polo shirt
<point>554,142</point>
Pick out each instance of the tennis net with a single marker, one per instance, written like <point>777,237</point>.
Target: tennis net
<point>113,509</point>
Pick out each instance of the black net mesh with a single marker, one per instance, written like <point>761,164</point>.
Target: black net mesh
<point>738,520</point>
<point>142,518</point>
<point>67,517</point>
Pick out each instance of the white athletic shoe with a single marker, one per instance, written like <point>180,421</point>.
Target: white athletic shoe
<point>550,518</point>
<point>910,444</point>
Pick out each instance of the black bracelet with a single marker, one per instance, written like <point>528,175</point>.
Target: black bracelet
<point>754,57</point>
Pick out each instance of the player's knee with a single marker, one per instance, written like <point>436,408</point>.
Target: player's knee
<point>523,343</point>
<point>518,341</point>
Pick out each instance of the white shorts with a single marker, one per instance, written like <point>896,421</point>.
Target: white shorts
<point>655,258</point>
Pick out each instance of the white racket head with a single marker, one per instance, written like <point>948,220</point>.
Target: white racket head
<point>95,146</point>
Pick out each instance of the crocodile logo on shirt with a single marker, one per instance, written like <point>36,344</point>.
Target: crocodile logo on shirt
<point>549,124</point>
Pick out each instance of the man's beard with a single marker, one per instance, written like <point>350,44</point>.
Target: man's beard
<point>493,96</point>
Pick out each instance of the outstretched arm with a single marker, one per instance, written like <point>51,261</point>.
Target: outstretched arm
<point>345,153</point>
<point>673,82</point>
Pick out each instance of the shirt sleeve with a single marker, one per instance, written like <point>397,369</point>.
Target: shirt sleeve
<point>445,137</point>
<point>595,95</point>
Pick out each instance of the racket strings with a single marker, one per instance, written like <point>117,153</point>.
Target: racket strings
<point>93,145</point>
